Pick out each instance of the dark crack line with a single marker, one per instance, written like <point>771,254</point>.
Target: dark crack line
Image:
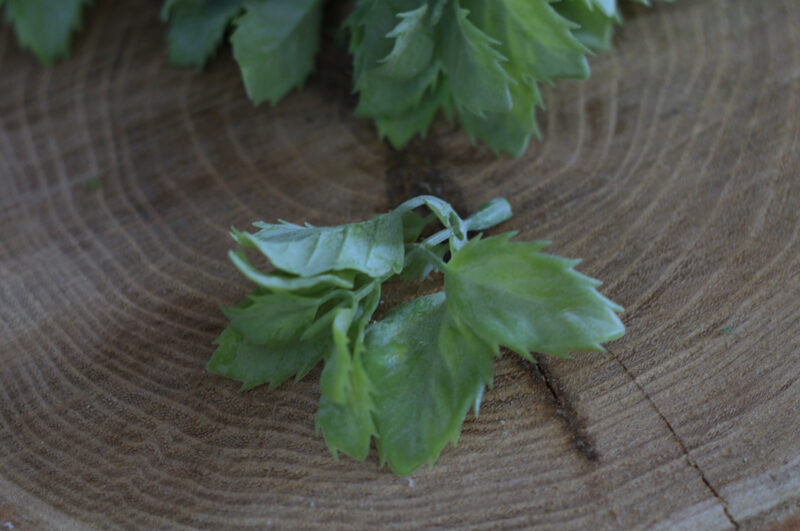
<point>572,421</point>
<point>683,447</point>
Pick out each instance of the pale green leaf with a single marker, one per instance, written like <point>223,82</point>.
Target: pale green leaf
<point>429,373</point>
<point>374,247</point>
<point>346,403</point>
<point>270,318</point>
<point>255,365</point>
<point>511,294</point>
<point>278,281</point>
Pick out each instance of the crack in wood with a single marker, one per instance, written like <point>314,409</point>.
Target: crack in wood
<point>682,445</point>
<point>573,422</point>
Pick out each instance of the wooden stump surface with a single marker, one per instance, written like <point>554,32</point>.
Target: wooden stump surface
<point>674,172</point>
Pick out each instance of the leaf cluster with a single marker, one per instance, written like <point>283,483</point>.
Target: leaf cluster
<point>408,380</point>
<point>479,62</point>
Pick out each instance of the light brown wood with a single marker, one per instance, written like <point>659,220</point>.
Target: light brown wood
<point>674,171</point>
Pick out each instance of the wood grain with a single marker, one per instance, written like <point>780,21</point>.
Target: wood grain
<point>673,172</point>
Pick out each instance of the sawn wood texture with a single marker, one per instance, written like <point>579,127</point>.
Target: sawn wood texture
<point>674,172</point>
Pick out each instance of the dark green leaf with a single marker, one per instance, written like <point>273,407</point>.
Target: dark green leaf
<point>45,26</point>
<point>275,42</point>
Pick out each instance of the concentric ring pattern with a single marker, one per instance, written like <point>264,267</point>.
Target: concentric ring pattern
<point>674,171</point>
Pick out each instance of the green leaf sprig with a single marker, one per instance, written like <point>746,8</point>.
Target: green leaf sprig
<point>409,379</point>
<point>479,62</point>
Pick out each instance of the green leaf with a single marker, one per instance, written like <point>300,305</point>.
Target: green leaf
<point>399,128</point>
<point>455,227</point>
<point>275,42</point>
<point>510,294</point>
<point>270,318</point>
<point>421,261</point>
<point>595,25</point>
<point>45,26</point>
<point>394,66</point>
<point>254,365</point>
<point>346,404</point>
<point>537,41</point>
<point>348,426</point>
<point>413,46</point>
<point>374,247</point>
<point>509,131</point>
<point>429,372</point>
<point>471,61</point>
<point>539,45</point>
<point>197,27</point>
<point>278,281</point>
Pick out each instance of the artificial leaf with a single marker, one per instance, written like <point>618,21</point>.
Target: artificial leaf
<point>454,227</point>
<point>45,26</point>
<point>393,78</point>
<point>421,261</point>
<point>511,294</point>
<point>279,281</point>
<point>348,426</point>
<point>270,318</point>
<point>374,247</point>
<point>471,61</point>
<point>594,24</point>
<point>196,28</point>
<point>275,42</point>
<point>255,365</point>
<point>413,47</point>
<point>346,403</point>
<point>398,129</point>
<point>429,372</point>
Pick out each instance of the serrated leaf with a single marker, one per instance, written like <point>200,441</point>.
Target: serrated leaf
<point>275,42</point>
<point>511,294</point>
<point>413,46</point>
<point>348,426</point>
<point>255,365</point>
<point>509,131</point>
<point>536,40</point>
<point>399,128</point>
<point>472,63</point>
<point>429,372</point>
<point>394,64</point>
<point>594,26</point>
<point>374,247</point>
<point>346,403</point>
<point>539,46</point>
<point>196,28</point>
<point>45,26</point>
<point>270,318</point>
